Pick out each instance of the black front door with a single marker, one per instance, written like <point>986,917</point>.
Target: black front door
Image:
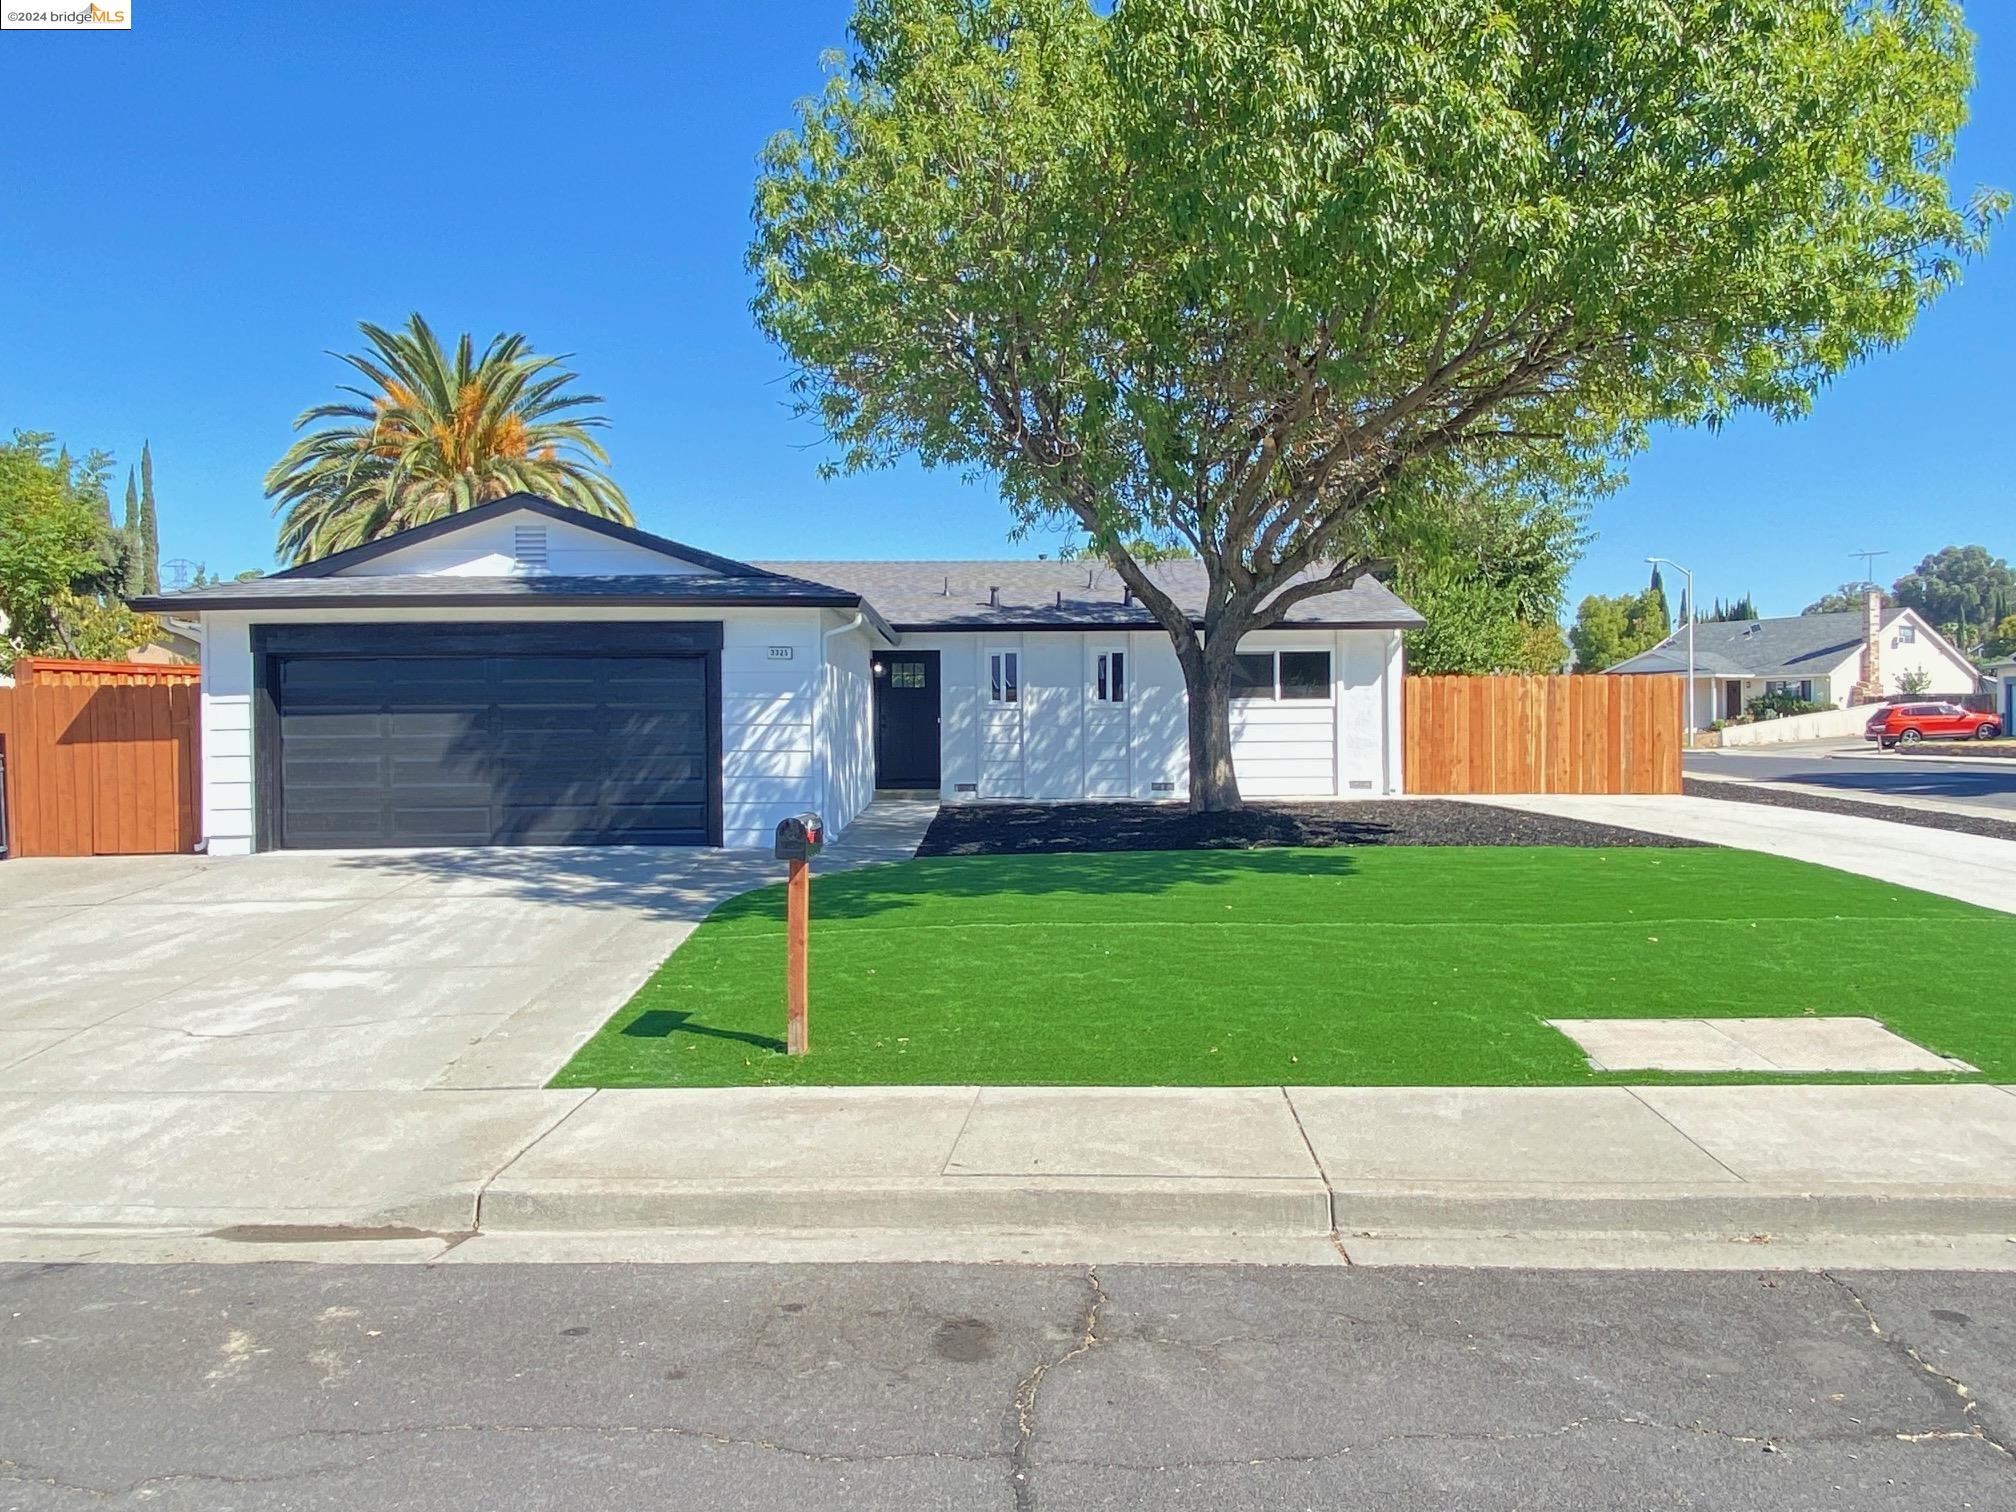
<point>906,720</point>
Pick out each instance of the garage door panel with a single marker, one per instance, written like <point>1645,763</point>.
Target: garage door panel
<point>365,772</point>
<point>332,724</point>
<point>475,749</point>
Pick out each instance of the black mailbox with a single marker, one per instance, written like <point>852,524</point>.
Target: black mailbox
<point>801,837</point>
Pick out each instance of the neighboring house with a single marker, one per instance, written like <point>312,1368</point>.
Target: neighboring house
<point>525,674</point>
<point>2002,678</point>
<point>1840,659</point>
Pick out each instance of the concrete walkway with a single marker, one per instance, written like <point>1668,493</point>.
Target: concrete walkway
<point>987,1167</point>
<point>1968,867</point>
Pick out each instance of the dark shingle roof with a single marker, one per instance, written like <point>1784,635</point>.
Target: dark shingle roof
<point>1798,646</point>
<point>954,595</point>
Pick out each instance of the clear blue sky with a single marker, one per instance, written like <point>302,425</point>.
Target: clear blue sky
<point>198,208</point>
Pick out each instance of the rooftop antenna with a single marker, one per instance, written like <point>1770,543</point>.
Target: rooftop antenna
<point>1868,564</point>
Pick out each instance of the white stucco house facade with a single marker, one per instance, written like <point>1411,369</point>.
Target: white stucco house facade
<point>524,674</point>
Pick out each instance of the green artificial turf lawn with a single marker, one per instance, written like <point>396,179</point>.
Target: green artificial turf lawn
<point>1373,966</point>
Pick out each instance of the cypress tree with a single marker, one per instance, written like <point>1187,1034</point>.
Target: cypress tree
<point>149,524</point>
<point>133,556</point>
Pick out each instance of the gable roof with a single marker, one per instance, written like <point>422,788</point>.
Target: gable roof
<point>894,596</point>
<point>1795,647</point>
<point>630,535</point>
<point>1046,595</point>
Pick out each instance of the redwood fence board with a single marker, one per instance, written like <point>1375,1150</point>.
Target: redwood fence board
<point>101,759</point>
<point>1589,734</point>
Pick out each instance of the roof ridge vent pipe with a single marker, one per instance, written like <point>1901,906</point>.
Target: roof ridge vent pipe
<point>946,591</point>
<point>1060,598</point>
<point>994,597</point>
<point>1127,595</point>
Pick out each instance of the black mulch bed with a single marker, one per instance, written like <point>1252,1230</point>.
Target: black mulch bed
<point>1031,829</point>
<point>1896,813</point>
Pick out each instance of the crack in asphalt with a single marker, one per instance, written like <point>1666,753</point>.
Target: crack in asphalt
<point>1024,1413</point>
<point>1970,1404</point>
<point>1024,1404</point>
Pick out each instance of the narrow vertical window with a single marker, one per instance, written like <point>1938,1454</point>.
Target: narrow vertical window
<point>1109,677</point>
<point>1003,680</point>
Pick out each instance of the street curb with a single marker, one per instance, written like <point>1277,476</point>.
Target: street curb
<point>1278,1207</point>
<point>2007,763</point>
<point>1695,1213</point>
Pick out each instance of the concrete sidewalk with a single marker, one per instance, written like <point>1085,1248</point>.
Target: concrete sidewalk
<point>991,1167</point>
<point>1971,868</point>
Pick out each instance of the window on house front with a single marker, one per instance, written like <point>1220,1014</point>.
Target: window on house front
<point>1253,675</point>
<point>1282,674</point>
<point>1305,674</point>
<point>1907,635</point>
<point>1109,677</point>
<point>1004,677</point>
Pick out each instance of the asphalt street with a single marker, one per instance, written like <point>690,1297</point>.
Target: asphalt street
<point>927,1386</point>
<point>1874,776</point>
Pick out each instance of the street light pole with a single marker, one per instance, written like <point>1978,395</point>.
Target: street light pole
<point>1692,610</point>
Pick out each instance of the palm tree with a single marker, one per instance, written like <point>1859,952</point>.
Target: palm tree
<point>430,437</point>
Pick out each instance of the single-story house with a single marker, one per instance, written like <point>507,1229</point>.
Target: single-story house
<point>521,673</point>
<point>1859,657</point>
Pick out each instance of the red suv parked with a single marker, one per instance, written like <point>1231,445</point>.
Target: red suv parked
<point>1909,723</point>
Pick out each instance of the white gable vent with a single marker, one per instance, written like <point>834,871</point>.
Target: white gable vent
<point>528,549</point>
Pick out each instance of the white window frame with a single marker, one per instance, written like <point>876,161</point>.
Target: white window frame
<point>1907,634</point>
<point>1095,653</point>
<point>1009,684</point>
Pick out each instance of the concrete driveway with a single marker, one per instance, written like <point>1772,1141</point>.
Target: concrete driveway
<point>347,972</point>
<point>307,972</point>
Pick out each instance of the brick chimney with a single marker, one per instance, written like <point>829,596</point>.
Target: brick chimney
<point>1870,688</point>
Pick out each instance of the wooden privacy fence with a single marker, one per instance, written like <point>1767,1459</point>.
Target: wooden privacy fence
<point>1589,734</point>
<point>101,758</point>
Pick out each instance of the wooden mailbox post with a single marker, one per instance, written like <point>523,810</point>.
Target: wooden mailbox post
<point>799,839</point>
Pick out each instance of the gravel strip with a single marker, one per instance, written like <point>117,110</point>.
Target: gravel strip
<point>1896,813</point>
<point>1030,829</point>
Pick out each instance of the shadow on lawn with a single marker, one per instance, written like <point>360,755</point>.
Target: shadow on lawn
<point>880,890</point>
<point>663,1023</point>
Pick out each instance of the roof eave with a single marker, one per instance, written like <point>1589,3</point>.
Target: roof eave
<point>179,602</point>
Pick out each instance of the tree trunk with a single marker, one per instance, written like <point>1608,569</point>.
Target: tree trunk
<point>1207,679</point>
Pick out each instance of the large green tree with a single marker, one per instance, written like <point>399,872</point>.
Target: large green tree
<point>1610,628</point>
<point>1849,596</point>
<point>1255,273</point>
<point>430,433</point>
<point>1489,573</point>
<point>59,557</point>
<point>1959,589</point>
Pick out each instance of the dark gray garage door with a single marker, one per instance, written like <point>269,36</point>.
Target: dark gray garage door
<point>492,750</point>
